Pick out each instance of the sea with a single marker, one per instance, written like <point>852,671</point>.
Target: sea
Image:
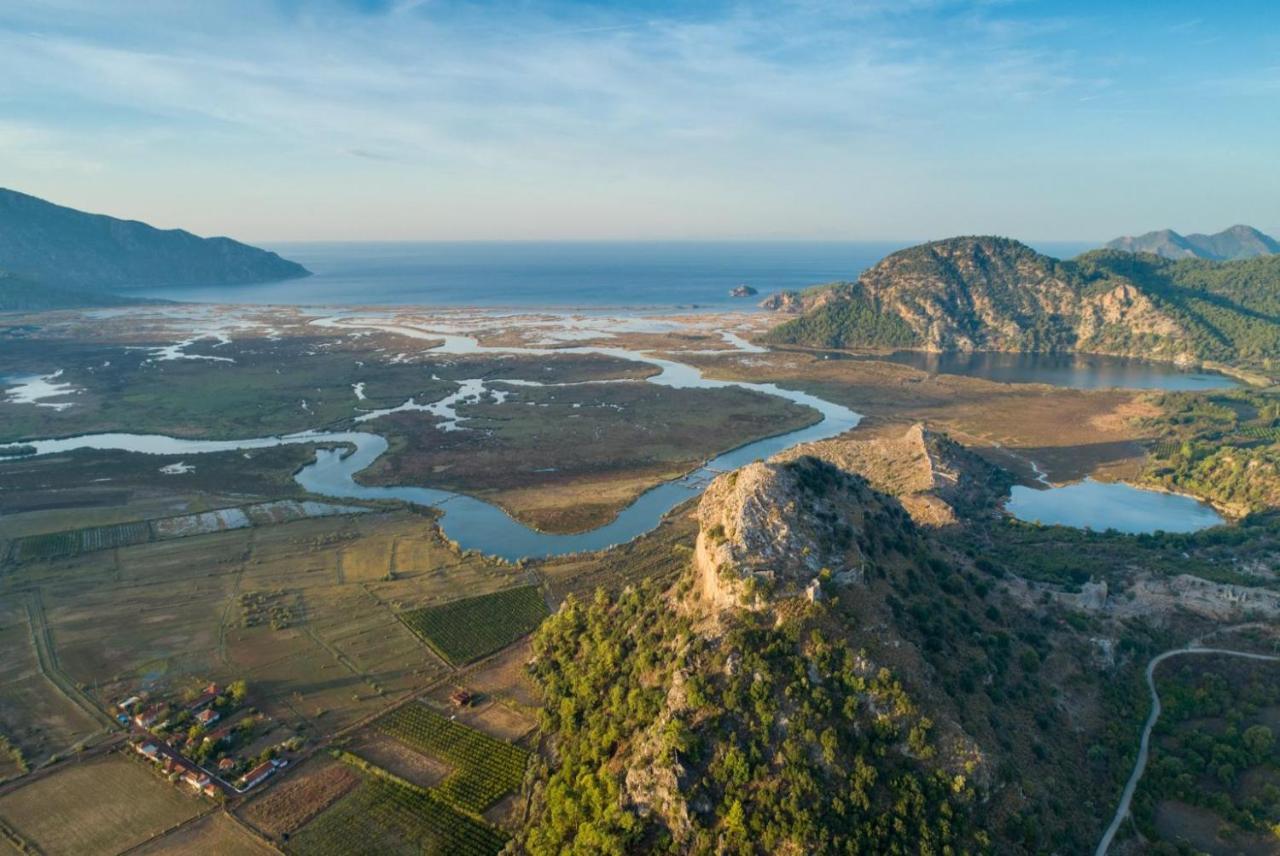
<point>657,275</point>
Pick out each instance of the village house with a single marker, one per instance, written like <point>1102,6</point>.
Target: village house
<point>196,779</point>
<point>257,774</point>
<point>205,698</point>
<point>147,750</point>
<point>207,717</point>
<point>149,717</point>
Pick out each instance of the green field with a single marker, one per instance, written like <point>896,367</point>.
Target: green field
<point>381,816</point>
<point>467,629</point>
<point>484,768</point>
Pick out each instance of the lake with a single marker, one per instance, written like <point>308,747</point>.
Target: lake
<point>1111,505</point>
<point>554,274</point>
<point>1079,371</point>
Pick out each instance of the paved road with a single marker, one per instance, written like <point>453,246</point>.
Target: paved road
<point>1122,811</point>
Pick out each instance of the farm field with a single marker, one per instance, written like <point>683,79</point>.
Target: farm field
<point>467,629</point>
<point>215,833</point>
<point>386,817</point>
<point>484,769</point>
<point>303,794</point>
<point>104,806</point>
<point>35,714</point>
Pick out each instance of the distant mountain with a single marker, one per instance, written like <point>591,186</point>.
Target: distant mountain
<point>1238,242</point>
<point>995,294</point>
<point>65,248</point>
<point>19,294</point>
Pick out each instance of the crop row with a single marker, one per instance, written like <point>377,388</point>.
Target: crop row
<point>484,768</point>
<point>467,629</point>
<point>383,816</point>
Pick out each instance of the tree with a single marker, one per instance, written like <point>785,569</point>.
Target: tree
<point>238,690</point>
<point>1259,740</point>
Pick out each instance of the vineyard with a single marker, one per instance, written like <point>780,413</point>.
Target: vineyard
<point>484,768</point>
<point>58,545</point>
<point>383,816</point>
<point>467,629</point>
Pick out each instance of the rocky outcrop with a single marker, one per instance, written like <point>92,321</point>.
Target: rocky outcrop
<point>995,294</point>
<point>771,527</point>
<point>937,480</point>
<point>743,291</point>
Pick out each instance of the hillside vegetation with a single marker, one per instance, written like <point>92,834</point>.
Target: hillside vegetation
<point>69,249</point>
<point>827,677</point>
<point>996,294</point>
<point>19,294</point>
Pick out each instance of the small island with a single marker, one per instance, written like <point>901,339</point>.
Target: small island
<point>743,291</point>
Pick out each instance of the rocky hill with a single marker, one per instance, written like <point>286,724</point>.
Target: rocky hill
<point>830,676</point>
<point>1237,242</point>
<point>996,294</point>
<point>63,248</point>
<point>938,481</point>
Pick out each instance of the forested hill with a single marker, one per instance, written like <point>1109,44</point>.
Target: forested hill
<point>996,294</point>
<point>18,294</point>
<point>64,248</point>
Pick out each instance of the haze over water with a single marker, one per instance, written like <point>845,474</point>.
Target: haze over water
<point>556,274</point>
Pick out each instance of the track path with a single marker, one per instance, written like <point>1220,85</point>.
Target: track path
<point>1144,747</point>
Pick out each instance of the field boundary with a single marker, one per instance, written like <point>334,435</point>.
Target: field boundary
<point>47,661</point>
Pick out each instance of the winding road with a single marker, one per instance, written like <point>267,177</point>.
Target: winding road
<point>1126,798</point>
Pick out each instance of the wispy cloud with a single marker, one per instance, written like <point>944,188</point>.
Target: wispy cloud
<point>760,102</point>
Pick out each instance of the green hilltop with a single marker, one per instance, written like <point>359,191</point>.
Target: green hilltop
<point>996,294</point>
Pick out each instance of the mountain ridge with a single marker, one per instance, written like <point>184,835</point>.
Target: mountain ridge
<point>986,293</point>
<point>1234,242</point>
<point>62,247</point>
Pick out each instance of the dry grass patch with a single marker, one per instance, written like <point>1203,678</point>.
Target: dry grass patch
<point>102,806</point>
<point>393,756</point>
<point>34,713</point>
<point>216,833</point>
<point>305,793</point>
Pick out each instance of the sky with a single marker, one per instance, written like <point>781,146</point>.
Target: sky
<point>856,120</point>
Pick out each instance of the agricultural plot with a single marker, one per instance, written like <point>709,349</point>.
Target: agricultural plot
<point>103,806</point>
<point>215,833</point>
<point>467,629</point>
<point>306,793</point>
<point>386,817</point>
<point>484,768</point>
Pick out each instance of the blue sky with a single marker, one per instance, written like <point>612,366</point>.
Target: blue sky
<point>864,119</point>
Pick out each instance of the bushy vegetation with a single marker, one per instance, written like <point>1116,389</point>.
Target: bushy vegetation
<point>468,629</point>
<point>1211,748</point>
<point>771,739</point>
<point>1222,446</point>
<point>1226,312</point>
<point>484,769</point>
<point>851,321</point>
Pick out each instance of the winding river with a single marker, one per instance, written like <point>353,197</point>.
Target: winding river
<point>479,525</point>
<point>474,523</point>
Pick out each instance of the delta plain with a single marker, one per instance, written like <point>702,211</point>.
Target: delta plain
<point>893,564</point>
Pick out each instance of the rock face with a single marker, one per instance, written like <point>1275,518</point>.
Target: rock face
<point>1237,242</point>
<point>995,294</point>
<point>771,528</point>
<point>64,248</point>
<point>937,480</point>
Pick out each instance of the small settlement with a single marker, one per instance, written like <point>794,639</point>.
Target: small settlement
<point>209,740</point>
